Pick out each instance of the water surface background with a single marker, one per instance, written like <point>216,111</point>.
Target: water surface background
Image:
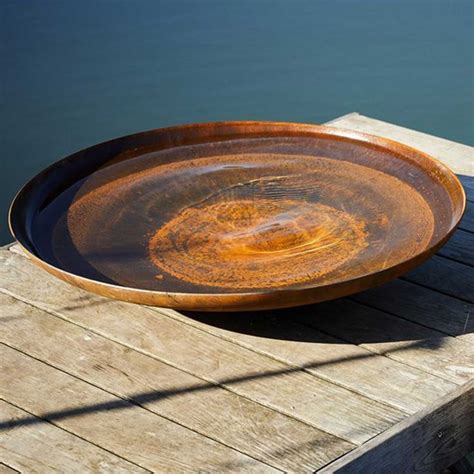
<point>77,73</point>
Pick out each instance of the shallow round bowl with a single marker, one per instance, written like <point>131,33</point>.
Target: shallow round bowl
<point>237,215</point>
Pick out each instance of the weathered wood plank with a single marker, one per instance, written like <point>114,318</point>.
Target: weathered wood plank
<point>29,448</point>
<point>342,117</point>
<point>459,157</point>
<point>447,276</point>
<point>94,415</point>
<point>264,434</point>
<point>317,402</point>
<point>355,368</point>
<point>460,247</point>
<point>280,336</point>
<point>404,341</point>
<point>433,439</point>
<point>424,306</point>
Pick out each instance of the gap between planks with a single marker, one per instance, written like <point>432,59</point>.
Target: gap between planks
<point>226,384</point>
<point>147,429</point>
<point>285,361</point>
<point>268,355</point>
<point>299,432</point>
<point>235,339</point>
<point>331,380</point>
<point>92,456</point>
<point>6,469</point>
<point>459,248</point>
<point>444,276</point>
<point>443,332</point>
<point>427,286</point>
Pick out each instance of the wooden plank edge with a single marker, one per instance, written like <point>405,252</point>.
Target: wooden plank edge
<point>6,469</point>
<point>375,122</point>
<point>342,117</point>
<point>434,438</point>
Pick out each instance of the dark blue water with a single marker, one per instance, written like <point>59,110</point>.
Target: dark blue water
<point>76,73</point>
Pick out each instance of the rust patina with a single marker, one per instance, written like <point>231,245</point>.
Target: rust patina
<point>237,215</point>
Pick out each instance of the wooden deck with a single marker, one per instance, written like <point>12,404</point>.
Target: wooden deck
<point>377,382</point>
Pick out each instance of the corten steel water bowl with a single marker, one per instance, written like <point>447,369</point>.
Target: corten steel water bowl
<point>237,215</point>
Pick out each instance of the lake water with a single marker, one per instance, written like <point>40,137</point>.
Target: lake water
<point>77,73</point>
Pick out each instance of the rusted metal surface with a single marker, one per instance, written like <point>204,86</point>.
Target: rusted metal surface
<point>237,215</point>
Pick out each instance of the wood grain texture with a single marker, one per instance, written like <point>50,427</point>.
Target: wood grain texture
<point>429,441</point>
<point>44,448</point>
<point>283,337</point>
<point>401,340</point>
<point>60,398</point>
<point>237,215</point>
<point>322,404</point>
<point>264,434</point>
<point>355,368</point>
